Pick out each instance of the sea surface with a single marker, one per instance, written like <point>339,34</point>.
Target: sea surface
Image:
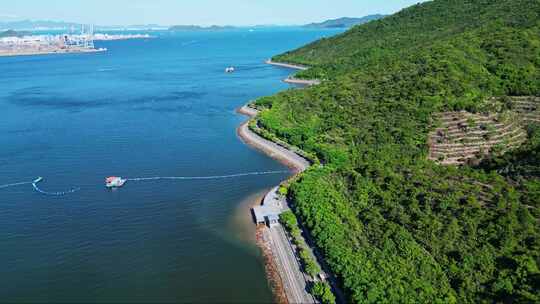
<point>144,108</point>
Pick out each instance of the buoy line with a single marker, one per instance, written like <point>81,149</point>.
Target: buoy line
<point>138,179</point>
<point>61,193</point>
<point>14,185</point>
<point>35,182</point>
<point>37,189</point>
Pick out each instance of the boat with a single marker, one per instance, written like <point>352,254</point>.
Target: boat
<point>230,70</point>
<point>114,182</point>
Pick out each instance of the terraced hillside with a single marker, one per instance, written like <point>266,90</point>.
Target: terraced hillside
<point>464,137</point>
<point>528,107</point>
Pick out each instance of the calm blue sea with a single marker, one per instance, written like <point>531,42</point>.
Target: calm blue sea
<point>154,107</point>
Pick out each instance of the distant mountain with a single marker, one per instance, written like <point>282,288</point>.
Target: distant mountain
<point>33,25</point>
<point>178,28</point>
<point>344,22</point>
<point>12,33</point>
<point>134,27</point>
<point>37,25</point>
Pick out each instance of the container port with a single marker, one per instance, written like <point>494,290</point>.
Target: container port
<point>18,44</point>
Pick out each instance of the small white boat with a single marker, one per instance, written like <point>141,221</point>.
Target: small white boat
<point>230,70</point>
<point>114,182</point>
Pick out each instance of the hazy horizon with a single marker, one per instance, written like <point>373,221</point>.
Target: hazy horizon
<point>172,12</point>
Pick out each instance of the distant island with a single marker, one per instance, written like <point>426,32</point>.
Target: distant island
<point>47,25</point>
<point>178,28</point>
<point>345,22</point>
<point>37,25</point>
<point>12,33</point>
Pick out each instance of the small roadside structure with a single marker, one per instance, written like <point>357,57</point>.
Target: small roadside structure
<point>266,215</point>
<point>272,220</point>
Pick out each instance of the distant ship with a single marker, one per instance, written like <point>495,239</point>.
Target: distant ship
<point>114,182</point>
<point>230,70</point>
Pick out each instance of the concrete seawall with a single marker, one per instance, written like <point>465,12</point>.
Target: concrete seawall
<point>281,154</point>
<point>287,65</point>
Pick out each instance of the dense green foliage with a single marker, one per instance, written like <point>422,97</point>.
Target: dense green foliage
<point>412,29</point>
<point>523,169</point>
<point>323,292</point>
<point>393,226</point>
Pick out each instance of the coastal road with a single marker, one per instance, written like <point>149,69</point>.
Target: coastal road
<point>290,270</point>
<point>288,266</point>
<point>303,82</point>
<point>291,79</point>
<point>272,149</point>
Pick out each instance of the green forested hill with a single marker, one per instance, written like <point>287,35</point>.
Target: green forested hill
<point>392,225</point>
<point>410,29</point>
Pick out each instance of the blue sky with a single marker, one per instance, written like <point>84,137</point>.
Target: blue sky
<point>202,12</point>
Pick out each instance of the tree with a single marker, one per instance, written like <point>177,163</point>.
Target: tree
<point>323,292</point>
